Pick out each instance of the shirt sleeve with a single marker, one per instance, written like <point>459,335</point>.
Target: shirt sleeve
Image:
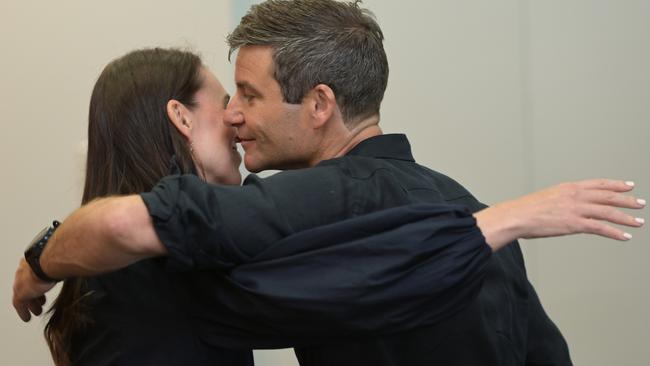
<point>216,227</point>
<point>265,282</point>
<point>382,273</point>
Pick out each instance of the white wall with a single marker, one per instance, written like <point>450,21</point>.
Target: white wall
<point>506,96</point>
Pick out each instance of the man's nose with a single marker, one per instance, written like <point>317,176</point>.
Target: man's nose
<point>233,116</point>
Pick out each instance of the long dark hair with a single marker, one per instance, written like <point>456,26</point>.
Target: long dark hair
<point>131,145</point>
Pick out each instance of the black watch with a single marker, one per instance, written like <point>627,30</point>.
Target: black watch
<point>35,249</point>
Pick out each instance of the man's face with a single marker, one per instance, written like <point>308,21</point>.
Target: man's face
<point>274,134</point>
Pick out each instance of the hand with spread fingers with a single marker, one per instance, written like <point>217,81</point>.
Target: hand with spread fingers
<point>589,207</point>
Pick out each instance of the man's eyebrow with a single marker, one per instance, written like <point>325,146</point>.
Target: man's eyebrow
<point>246,85</point>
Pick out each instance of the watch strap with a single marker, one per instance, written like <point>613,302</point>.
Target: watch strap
<point>33,254</point>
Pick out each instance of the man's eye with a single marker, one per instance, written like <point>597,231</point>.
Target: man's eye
<point>249,97</point>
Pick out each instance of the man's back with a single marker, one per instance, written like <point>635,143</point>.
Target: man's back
<point>493,330</point>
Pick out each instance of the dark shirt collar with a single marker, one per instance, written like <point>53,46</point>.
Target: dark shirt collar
<point>392,146</point>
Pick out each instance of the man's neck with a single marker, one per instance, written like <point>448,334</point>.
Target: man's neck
<point>343,140</point>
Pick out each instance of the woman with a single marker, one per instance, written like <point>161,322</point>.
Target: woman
<point>154,112</point>
<point>131,145</point>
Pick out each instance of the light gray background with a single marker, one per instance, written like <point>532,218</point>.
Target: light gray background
<point>505,96</point>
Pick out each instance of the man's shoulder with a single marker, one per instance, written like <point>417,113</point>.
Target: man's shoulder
<point>452,190</point>
<point>449,185</point>
<point>409,175</point>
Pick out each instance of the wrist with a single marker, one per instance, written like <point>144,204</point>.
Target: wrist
<point>35,250</point>
<point>34,278</point>
<point>500,224</point>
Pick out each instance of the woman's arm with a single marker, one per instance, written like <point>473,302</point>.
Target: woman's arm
<point>111,233</point>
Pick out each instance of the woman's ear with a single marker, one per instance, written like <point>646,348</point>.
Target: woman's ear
<point>179,116</point>
<point>323,104</point>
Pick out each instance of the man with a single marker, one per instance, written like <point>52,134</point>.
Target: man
<point>310,78</point>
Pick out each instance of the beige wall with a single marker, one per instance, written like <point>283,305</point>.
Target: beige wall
<point>509,96</point>
<point>506,96</point>
<point>589,64</point>
<point>52,53</point>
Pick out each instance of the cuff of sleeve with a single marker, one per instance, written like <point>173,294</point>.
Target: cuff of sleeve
<point>185,215</point>
<point>161,203</point>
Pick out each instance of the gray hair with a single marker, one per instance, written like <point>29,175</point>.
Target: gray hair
<point>316,42</point>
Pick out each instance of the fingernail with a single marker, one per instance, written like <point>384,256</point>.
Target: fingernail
<point>630,183</point>
<point>627,236</point>
<point>641,201</point>
<point>640,220</point>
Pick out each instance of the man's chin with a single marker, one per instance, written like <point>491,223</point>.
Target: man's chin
<point>253,165</point>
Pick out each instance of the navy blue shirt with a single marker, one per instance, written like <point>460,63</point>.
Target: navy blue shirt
<point>225,229</point>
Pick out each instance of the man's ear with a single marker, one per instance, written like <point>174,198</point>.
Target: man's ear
<point>322,105</point>
<point>179,115</point>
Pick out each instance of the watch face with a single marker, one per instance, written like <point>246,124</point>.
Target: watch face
<point>38,237</point>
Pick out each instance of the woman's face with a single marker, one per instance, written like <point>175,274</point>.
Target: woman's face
<point>213,143</point>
